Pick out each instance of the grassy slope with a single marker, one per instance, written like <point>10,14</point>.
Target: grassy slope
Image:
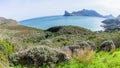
<point>69,30</point>
<point>15,38</point>
<point>65,35</point>
<point>21,33</point>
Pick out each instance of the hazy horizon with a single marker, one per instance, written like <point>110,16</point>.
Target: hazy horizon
<point>26,9</point>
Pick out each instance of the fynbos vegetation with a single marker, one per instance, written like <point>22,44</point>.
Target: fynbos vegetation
<point>57,47</point>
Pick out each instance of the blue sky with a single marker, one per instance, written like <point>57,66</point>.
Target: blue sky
<point>25,9</point>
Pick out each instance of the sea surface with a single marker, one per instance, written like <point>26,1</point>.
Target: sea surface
<point>92,23</point>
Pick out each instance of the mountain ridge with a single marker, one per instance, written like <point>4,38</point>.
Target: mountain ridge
<point>86,12</point>
<point>8,21</point>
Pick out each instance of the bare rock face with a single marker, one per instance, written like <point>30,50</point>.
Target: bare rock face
<point>8,21</point>
<point>107,46</point>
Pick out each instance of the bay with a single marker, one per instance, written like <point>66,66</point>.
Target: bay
<point>92,23</point>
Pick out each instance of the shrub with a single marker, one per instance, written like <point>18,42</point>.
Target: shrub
<point>116,38</point>
<point>82,45</point>
<point>83,52</point>
<point>6,48</point>
<point>38,56</point>
<point>92,45</point>
<point>60,30</point>
<point>85,55</point>
<point>3,61</point>
<point>107,46</point>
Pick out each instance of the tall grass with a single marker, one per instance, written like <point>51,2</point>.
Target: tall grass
<point>85,55</point>
<point>100,60</point>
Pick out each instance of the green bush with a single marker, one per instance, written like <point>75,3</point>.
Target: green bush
<point>100,60</point>
<point>60,30</point>
<point>82,45</point>
<point>60,36</point>
<point>38,56</point>
<point>6,48</point>
<point>116,38</point>
<point>107,46</point>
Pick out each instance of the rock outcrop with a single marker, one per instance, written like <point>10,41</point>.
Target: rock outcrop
<point>112,24</point>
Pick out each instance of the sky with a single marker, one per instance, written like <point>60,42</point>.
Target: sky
<point>26,9</point>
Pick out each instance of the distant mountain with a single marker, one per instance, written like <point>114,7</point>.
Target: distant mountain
<point>112,24</point>
<point>8,21</point>
<point>112,21</point>
<point>86,12</point>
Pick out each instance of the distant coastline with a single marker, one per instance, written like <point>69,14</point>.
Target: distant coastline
<point>86,12</point>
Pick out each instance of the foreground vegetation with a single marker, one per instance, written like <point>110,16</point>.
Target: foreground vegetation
<point>58,47</point>
<point>96,60</point>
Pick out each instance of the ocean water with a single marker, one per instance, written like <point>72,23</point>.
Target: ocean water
<point>92,23</point>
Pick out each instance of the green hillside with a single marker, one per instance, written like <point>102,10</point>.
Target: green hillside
<point>57,47</point>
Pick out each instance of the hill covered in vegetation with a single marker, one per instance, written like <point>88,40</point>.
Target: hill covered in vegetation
<point>57,47</point>
<point>8,21</point>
